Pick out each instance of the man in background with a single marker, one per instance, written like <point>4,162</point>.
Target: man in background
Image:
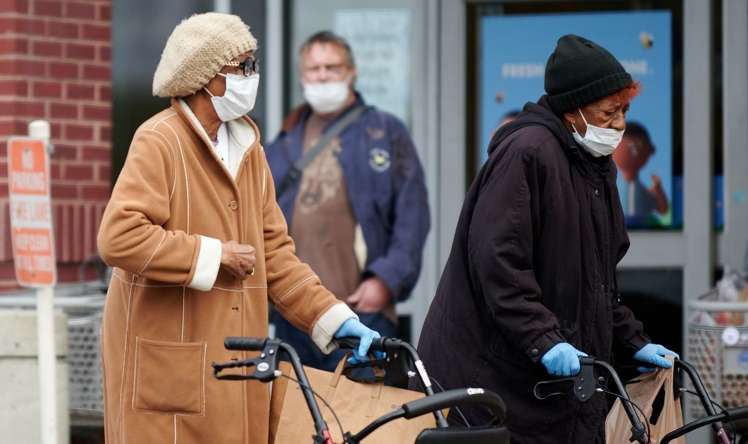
<point>352,189</point>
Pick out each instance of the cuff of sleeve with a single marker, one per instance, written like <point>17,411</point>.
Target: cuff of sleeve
<point>380,269</point>
<point>544,343</point>
<point>208,262</point>
<point>325,328</point>
<point>636,343</point>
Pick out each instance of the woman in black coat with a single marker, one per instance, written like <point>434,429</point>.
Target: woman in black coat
<point>530,283</point>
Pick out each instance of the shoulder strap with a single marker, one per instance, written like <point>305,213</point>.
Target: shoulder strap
<point>294,173</point>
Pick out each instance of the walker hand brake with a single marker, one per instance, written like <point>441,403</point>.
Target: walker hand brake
<point>265,365</point>
<point>582,385</point>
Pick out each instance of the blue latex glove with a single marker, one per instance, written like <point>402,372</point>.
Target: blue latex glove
<point>562,360</point>
<point>354,328</point>
<point>653,354</point>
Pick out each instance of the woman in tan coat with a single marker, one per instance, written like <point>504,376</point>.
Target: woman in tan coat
<point>198,245</point>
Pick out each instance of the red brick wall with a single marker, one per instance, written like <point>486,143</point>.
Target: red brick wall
<point>55,64</point>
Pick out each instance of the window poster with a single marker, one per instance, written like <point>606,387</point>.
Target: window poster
<point>513,52</point>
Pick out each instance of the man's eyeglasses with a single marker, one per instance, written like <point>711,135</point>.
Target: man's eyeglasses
<point>335,69</point>
<point>248,67</point>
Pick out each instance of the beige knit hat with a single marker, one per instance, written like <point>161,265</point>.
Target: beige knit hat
<point>196,51</point>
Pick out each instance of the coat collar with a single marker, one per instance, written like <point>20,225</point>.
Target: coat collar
<point>540,114</point>
<point>243,131</point>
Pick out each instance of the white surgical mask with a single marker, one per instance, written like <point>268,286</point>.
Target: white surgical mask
<point>239,98</point>
<point>326,97</point>
<point>598,141</point>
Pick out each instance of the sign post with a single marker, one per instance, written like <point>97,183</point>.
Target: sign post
<point>34,255</point>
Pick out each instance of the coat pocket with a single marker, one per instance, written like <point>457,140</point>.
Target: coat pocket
<point>169,377</point>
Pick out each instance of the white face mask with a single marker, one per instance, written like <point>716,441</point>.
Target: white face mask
<point>239,98</point>
<point>598,141</point>
<point>326,97</point>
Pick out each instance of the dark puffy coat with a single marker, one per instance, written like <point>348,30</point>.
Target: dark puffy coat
<point>533,264</point>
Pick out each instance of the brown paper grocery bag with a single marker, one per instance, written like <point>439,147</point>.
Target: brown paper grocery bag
<point>654,394</point>
<point>355,403</point>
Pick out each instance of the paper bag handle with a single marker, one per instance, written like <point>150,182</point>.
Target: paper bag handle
<point>340,369</point>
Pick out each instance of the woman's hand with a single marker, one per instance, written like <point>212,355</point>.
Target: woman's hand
<point>654,354</point>
<point>562,360</point>
<point>238,259</point>
<point>355,329</point>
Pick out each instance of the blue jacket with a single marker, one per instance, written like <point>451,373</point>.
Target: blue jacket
<point>385,185</point>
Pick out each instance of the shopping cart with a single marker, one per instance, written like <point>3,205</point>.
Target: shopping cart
<point>264,368</point>
<point>719,351</point>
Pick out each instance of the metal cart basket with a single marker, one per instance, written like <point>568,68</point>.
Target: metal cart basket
<point>719,352</point>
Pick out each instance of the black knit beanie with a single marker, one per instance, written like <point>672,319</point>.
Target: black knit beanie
<point>580,72</point>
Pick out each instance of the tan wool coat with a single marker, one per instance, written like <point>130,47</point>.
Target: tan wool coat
<point>160,333</point>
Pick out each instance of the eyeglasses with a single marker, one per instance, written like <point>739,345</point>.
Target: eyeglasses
<point>335,69</point>
<point>248,67</point>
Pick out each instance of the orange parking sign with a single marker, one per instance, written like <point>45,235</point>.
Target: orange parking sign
<point>30,212</point>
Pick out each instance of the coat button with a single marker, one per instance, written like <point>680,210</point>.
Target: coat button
<point>534,352</point>
<point>234,205</point>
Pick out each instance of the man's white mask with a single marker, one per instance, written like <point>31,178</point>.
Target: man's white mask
<point>326,97</point>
